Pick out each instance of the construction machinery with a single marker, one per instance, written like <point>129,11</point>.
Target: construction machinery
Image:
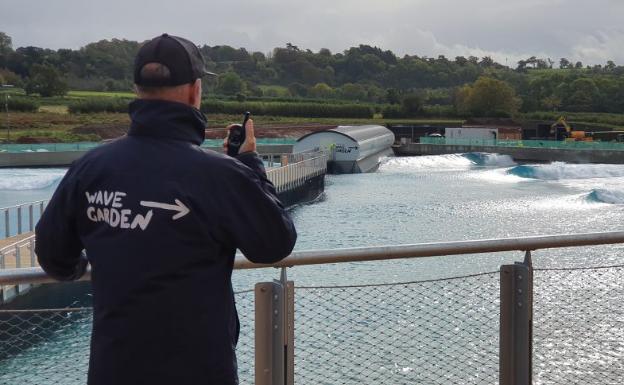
<point>561,130</point>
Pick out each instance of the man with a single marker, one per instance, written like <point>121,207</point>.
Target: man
<point>160,220</point>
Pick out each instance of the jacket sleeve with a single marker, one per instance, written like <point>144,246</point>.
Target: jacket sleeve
<point>252,215</point>
<point>58,246</point>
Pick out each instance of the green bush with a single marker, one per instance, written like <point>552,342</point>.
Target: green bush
<point>92,105</point>
<point>304,110</point>
<point>439,111</point>
<point>436,111</point>
<point>21,104</point>
<point>587,117</point>
<point>393,112</point>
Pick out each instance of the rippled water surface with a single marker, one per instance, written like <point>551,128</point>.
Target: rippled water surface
<point>432,199</point>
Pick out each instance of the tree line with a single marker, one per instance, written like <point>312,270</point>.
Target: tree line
<point>359,74</point>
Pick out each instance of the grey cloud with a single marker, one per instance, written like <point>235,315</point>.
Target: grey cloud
<point>504,29</point>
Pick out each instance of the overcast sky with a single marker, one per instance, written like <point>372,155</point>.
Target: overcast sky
<point>507,30</point>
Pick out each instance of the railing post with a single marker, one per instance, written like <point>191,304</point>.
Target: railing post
<point>18,257</point>
<point>31,218</point>
<point>274,324</point>
<point>33,257</point>
<point>516,323</point>
<point>7,230</point>
<point>19,220</point>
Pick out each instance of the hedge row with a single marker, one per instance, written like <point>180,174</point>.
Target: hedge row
<point>306,110</point>
<point>588,117</point>
<point>21,104</point>
<point>303,110</point>
<point>436,111</point>
<point>92,105</point>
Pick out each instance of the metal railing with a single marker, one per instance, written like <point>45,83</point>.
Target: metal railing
<point>19,254</point>
<point>281,159</point>
<point>551,144</point>
<point>295,175</point>
<point>48,147</point>
<point>470,329</point>
<point>20,218</point>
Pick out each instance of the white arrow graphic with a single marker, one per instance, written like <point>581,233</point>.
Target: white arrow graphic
<point>179,207</point>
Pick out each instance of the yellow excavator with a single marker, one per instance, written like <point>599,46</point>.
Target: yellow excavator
<point>561,130</point>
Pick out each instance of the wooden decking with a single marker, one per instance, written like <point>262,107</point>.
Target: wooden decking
<point>17,238</point>
<point>10,257</point>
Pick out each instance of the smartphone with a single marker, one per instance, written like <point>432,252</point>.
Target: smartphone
<point>236,138</point>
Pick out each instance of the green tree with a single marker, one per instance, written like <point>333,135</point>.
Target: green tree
<point>487,97</point>
<point>392,96</point>
<point>6,48</point>
<point>353,91</point>
<point>298,89</point>
<point>551,103</point>
<point>46,81</point>
<point>583,95</point>
<point>412,105</point>
<point>322,90</point>
<point>564,63</point>
<point>230,83</point>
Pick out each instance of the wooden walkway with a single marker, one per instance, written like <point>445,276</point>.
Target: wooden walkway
<point>17,238</point>
<point>10,258</point>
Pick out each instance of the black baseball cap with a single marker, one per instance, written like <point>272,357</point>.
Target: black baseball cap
<point>181,57</point>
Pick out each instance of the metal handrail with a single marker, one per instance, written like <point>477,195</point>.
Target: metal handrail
<point>294,175</point>
<point>5,215</point>
<point>24,204</point>
<point>361,254</point>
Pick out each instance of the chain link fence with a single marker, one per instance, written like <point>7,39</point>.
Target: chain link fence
<point>51,346</point>
<point>426,332</point>
<point>430,332</point>
<point>578,326</point>
<point>44,346</point>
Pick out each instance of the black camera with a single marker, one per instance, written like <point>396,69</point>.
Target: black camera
<point>236,137</point>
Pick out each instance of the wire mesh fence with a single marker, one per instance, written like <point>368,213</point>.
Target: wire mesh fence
<point>579,326</point>
<point>431,332</point>
<point>51,346</point>
<point>245,346</point>
<point>44,346</point>
<point>427,332</point>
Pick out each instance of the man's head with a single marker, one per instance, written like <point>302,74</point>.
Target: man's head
<point>169,68</point>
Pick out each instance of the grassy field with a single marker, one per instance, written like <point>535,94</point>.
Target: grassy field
<point>99,94</point>
<point>53,123</point>
<point>276,91</point>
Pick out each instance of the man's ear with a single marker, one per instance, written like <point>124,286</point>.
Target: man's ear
<point>195,94</point>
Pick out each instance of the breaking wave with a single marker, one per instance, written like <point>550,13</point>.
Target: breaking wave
<point>448,162</point>
<point>615,197</point>
<point>29,179</point>
<point>490,160</point>
<point>561,170</point>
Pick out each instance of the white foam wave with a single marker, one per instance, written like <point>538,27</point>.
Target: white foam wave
<point>29,179</point>
<point>611,196</point>
<point>451,161</point>
<point>498,160</point>
<point>561,170</point>
<point>499,175</point>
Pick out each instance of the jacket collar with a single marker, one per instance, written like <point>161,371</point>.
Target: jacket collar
<point>164,119</point>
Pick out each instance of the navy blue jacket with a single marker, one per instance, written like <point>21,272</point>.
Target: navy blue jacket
<point>160,220</point>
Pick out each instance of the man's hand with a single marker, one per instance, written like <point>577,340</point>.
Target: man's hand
<point>249,145</point>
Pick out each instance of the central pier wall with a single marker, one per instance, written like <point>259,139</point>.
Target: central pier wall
<point>517,153</point>
<point>65,158</point>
